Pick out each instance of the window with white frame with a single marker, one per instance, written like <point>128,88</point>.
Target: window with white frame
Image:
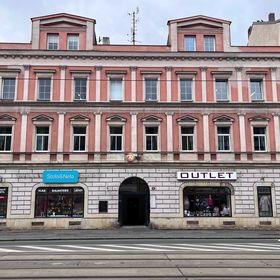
<point>73,42</point>
<point>259,137</point>
<point>116,88</point>
<point>256,89</point>
<point>151,89</point>
<point>116,138</point>
<point>79,138</point>
<point>209,43</point>
<point>190,43</point>
<point>221,86</point>
<point>151,135</point>
<point>8,88</point>
<point>52,42</point>
<point>44,88</point>
<point>223,135</point>
<point>264,201</point>
<point>80,88</point>
<point>42,138</point>
<point>5,138</point>
<point>187,138</point>
<point>186,89</point>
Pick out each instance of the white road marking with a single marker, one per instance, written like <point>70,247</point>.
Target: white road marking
<point>45,248</point>
<point>191,247</point>
<point>241,247</point>
<point>225,248</point>
<point>134,247</point>
<point>273,246</point>
<point>92,248</point>
<point>10,250</point>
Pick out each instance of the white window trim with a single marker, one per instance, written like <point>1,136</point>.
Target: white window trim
<point>41,124</point>
<point>263,82</point>
<point>222,77</point>
<point>50,34</point>
<point>231,140</point>
<point>185,40</point>
<point>115,124</point>
<point>9,76</point>
<point>260,124</point>
<point>156,77</point>
<point>69,35</point>
<point>188,124</point>
<point>213,36</point>
<point>9,124</point>
<point>80,76</point>
<point>115,76</point>
<point>152,124</point>
<point>44,76</point>
<point>186,77</point>
<point>81,124</point>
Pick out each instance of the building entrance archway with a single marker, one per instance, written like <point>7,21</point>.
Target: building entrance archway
<point>134,202</point>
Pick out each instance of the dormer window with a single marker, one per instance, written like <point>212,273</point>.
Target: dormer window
<point>190,44</point>
<point>52,42</point>
<point>209,43</point>
<point>73,42</point>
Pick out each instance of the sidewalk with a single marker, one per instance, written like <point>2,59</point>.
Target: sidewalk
<point>135,233</point>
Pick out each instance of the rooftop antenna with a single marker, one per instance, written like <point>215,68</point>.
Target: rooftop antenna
<point>134,21</point>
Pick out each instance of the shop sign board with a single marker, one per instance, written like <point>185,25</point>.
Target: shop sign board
<point>60,176</point>
<point>212,175</point>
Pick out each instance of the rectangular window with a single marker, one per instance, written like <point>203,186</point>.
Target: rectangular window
<point>256,90</point>
<point>5,138</point>
<point>264,201</point>
<point>209,43</point>
<point>151,138</point>
<point>151,89</point>
<point>259,134</point>
<point>79,138</point>
<point>103,206</point>
<point>3,202</point>
<point>186,90</point>
<point>116,138</point>
<point>80,88</point>
<point>116,89</point>
<point>8,88</point>
<point>187,134</point>
<point>52,42</point>
<point>44,89</point>
<point>42,138</point>
<point>223,138</point>
<point>221,90</point>
<point>73,42</point>
<point>190,43</point>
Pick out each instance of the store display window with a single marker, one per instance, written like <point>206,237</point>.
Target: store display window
<point>3,202</point>
<point>207,202</point>
<point>264,201</point>
<point>59,202</point>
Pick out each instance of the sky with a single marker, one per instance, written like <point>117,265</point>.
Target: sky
<point>113,20</point>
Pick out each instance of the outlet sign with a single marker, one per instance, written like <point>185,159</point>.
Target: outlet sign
<point>60,176</point>
<point>207,175</point>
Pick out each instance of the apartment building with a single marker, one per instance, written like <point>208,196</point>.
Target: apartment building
<point>182,135</point>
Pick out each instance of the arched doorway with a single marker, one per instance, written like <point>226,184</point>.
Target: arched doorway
<point>134,202</point>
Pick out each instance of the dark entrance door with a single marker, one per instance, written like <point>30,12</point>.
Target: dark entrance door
<point>134,202</point>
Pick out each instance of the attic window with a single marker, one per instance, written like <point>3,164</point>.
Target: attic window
<point>73,42</point>
<point>52,43</point>
<point>209,43</point>
<point>190,44</point>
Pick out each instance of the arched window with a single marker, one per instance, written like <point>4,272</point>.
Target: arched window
<point>207,202</point>
<point>59,202</point>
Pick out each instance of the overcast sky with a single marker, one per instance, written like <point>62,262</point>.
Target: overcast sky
<point>112,16</point>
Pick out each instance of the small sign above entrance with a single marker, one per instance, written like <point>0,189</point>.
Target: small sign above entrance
<point>206,175</point>
<point>60,176</point>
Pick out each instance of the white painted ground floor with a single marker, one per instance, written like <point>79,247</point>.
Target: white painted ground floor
<point>156,195</point>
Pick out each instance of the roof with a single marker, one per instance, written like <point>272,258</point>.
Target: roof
<point>198,17</point>
<point>63,15</point>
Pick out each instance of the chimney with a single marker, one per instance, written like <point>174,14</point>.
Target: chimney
<point>271,17</point>
<point>106,40</point>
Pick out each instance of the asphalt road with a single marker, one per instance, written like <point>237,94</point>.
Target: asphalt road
<point>141,259</point>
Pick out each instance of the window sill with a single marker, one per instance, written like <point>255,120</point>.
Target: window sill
<point>225,100</point>
<point>259,100</point>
